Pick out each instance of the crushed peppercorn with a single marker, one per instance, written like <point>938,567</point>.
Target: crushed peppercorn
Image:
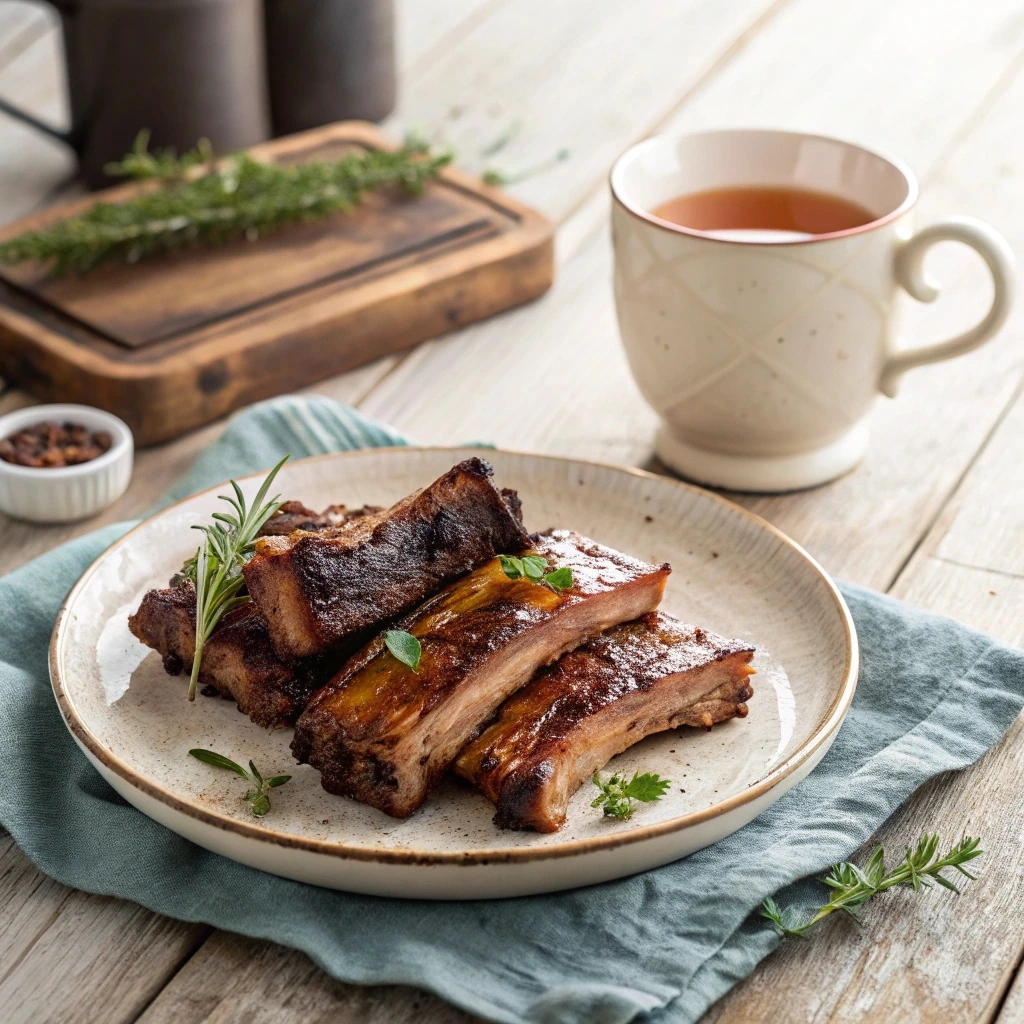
<point>53,445</point>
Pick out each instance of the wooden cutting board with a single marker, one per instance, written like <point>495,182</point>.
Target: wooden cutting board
<point>178,340</point>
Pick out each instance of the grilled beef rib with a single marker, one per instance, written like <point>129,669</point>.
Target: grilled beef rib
<point>384,734</point>
<point>637,679</point>
<point>315,589</point>
<point>239,661</point>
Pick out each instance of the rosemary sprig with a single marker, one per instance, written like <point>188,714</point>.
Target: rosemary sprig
<point>216,568</point>
<point>852,886</point>
<point>141,164</point>
<point>618,793</point>
<point>534,567</point>
<point>199,202</point>
<point>258,795</point>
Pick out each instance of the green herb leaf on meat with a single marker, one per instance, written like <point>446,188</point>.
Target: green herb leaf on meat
<point>405,647</point>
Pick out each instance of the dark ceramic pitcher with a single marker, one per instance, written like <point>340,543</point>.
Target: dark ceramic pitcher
<point>184,69</point>
<point>329,60</point>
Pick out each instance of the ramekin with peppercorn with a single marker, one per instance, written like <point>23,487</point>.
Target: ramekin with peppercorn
<point>61,463</point>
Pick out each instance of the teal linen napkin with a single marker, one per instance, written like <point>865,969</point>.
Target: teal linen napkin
<point>932,696</point>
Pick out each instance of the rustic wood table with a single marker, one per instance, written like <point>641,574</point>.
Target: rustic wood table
<point>934,515</point>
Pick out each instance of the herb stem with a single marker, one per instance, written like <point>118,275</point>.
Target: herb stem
<point>197,201</point>
<point>852,886</point>
<point>216,569</point>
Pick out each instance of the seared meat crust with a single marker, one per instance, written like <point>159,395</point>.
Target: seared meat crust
<point>316,589</point>
<point>384,734</point>
<point>239,660</point>
<point>634,680</point>
<point>293,515</point>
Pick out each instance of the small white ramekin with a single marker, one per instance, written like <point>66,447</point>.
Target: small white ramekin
<point>66,493</point>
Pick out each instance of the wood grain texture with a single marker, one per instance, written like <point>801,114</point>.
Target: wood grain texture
<point>914,78</point>
<point>232,979</point>
<point>588,78</point>
<point>186,337</point>
<point>57,944</point>
<point>1012,1010</point>
<point>864,526</point>
<point>425,31</point>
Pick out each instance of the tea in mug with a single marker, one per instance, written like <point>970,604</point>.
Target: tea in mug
<point>763,213</point>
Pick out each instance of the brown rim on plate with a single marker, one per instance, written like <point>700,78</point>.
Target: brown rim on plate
<point>829,722</point>
<point>908,202</point>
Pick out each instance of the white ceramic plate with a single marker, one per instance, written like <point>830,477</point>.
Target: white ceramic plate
<point>733,573</point>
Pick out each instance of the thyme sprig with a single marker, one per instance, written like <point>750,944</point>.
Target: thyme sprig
<point>534,567</point>
<point>197,201</point>
<point>853,886</point>
<point>216,567</point>
<point>618,793</point>
<point>258,794</point>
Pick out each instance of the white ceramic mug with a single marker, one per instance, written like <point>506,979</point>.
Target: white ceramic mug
<point>763,356</point>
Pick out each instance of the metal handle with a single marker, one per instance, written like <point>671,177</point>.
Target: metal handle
<point>65,7</point>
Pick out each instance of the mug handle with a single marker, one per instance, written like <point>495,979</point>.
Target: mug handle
<point>993,249</point>
<point>66,8</point>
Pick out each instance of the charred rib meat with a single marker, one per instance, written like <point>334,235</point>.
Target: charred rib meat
<point>239,660</point>
<point>637,679</point>
<point>293,515</point>
<point>384,734</point>
<point>316,589</point>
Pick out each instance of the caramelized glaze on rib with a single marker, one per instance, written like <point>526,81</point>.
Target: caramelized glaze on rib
<point>639,678</point>
<point>384,734</point>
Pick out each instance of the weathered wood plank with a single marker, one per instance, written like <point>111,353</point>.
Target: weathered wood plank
<point>233,979</point>
<point>865,525</point>
<point>988,530</point>
<point>584,77</point>
<point>1012,1011</point>
<point>57,944</point>
<point>425,30</point>
<point>930,959</point>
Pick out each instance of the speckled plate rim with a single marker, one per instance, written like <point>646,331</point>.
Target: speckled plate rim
<point>822,734</point>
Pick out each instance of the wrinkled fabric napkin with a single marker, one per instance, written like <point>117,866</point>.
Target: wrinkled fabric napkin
<point>932,696</point>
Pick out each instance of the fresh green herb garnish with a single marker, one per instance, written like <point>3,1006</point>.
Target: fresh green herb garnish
<point>258,796</point>
<point>851,886</point>
<point>533,567</point>
<point>405,647</point>
<point>197,201</point>
<point>617,794</point>
<point>216,568</point>
<point>560,579</point>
